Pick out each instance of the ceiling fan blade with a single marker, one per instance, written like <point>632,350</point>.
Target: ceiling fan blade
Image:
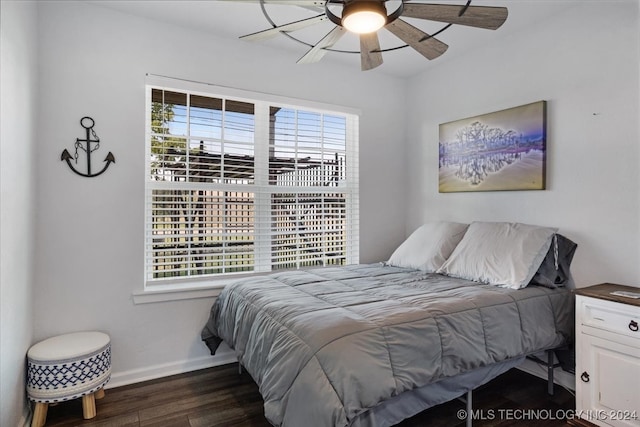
<point>370,55</point>
<point>429,47</point>
<point>316,53</point>
<point>487,17</point>
<point>292,26</point>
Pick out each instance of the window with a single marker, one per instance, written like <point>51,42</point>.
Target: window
<point>246,185</point>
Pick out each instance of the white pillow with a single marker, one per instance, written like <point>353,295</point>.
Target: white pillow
<point>499,253</point>
<point>429,246</point>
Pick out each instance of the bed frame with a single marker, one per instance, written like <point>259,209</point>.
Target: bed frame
<point>550,364</point>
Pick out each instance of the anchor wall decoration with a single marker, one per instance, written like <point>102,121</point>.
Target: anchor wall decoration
<point>85,145</point>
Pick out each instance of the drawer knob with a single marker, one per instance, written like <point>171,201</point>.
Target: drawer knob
<point>633,325</point>
<point>584,377</point>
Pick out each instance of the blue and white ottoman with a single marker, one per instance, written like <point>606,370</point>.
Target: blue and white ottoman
<point>67,367</point>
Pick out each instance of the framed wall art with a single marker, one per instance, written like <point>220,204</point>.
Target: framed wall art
<point>503,150</point>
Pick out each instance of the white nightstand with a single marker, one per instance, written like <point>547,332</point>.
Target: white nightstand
<point>607,356</point>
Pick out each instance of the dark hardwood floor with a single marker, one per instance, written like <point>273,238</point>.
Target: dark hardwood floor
<point>220,397</point>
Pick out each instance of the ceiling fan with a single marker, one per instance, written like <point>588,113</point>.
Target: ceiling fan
<point>366,17</point>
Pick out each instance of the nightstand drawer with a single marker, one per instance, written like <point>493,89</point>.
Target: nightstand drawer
<point>610,316</point>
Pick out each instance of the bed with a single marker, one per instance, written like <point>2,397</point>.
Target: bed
<point>370,345</point>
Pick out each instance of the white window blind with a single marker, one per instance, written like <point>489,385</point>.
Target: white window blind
<point>241,186</point>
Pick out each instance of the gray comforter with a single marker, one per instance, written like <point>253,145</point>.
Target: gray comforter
<point>324,345</point>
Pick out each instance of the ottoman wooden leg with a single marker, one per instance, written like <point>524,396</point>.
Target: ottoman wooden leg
<point>88,406</point>
<point>39,414</point>
<point>99,394</point>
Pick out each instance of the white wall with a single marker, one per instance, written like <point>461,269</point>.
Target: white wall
<point>585,63</point>
<point>90,250</point>
<point>18,84</point>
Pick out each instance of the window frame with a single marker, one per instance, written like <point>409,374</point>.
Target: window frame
<point>210,286</point>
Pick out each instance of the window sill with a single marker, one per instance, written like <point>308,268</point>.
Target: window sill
<point>154,296</point>
<point>184,289</point>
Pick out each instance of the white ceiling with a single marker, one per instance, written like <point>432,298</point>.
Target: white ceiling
<point>232,19</point>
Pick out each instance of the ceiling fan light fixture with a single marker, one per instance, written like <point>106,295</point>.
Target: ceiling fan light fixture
<point>364,17</point>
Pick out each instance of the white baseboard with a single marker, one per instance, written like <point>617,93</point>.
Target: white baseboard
<point>560,377</point>
<point>164,370</point>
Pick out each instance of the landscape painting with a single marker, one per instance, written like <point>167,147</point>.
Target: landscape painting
<point>504,150</point>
